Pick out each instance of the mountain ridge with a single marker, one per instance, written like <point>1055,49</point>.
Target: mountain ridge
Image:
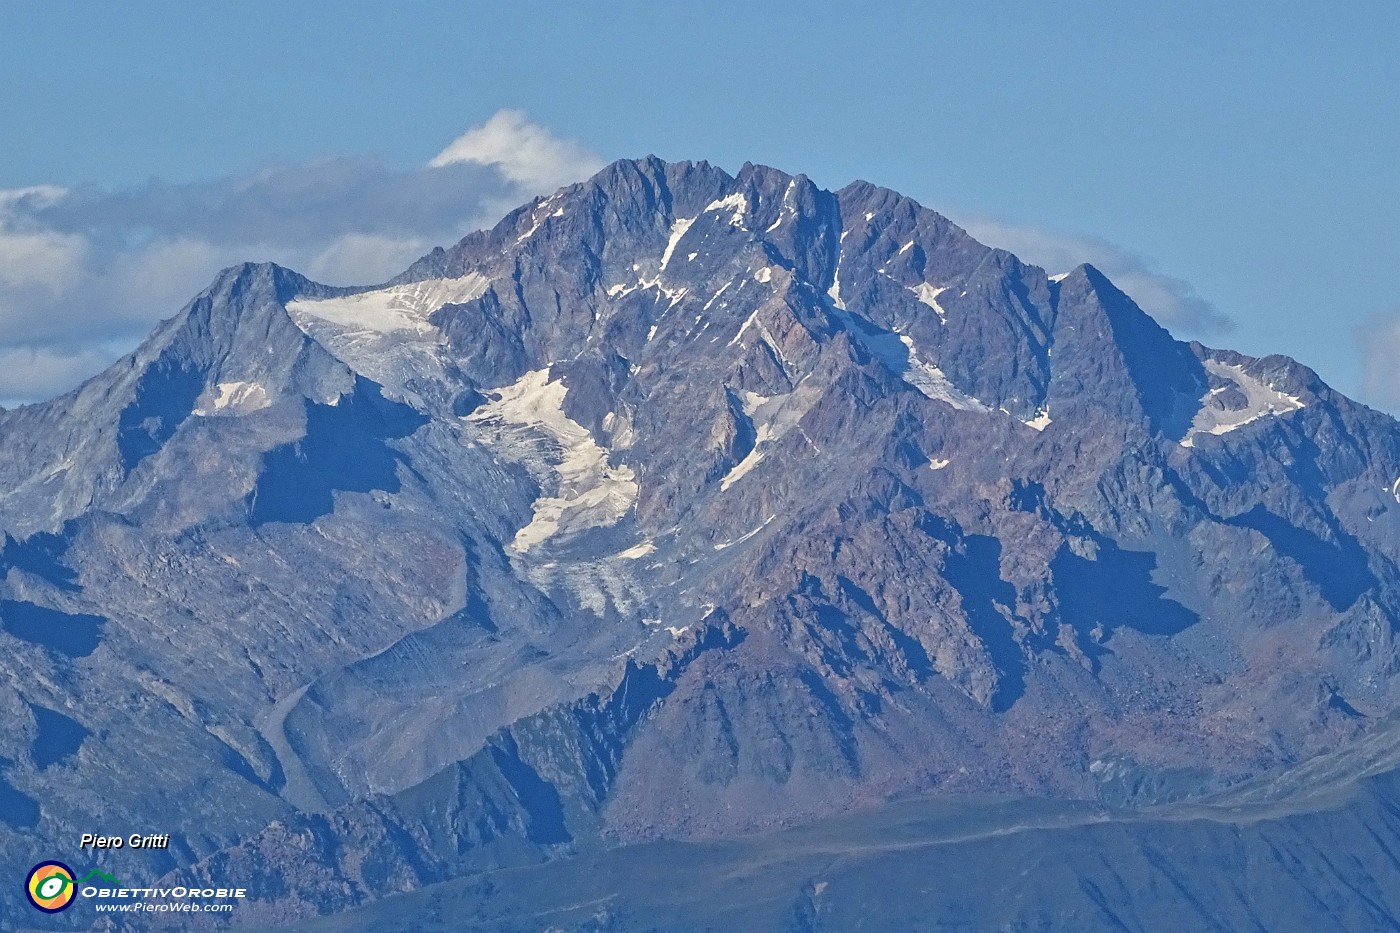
<point>944,523</point>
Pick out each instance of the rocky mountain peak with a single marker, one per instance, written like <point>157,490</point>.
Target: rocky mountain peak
<point>725,485</point>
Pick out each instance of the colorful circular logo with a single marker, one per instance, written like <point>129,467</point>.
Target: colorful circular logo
<point>50,887</point>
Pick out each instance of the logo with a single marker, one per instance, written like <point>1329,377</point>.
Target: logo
<point>50,887</point>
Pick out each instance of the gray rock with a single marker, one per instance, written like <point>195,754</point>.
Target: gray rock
<point>676,506</point>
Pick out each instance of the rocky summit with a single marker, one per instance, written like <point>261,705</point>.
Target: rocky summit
<point>704,551</point>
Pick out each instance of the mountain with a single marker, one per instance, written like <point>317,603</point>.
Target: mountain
<point>682,519</point>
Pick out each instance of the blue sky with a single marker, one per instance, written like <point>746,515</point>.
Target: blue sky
<point>1236,167</point>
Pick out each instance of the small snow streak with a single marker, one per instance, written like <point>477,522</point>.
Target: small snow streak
<point>637,551</point>
<point>678,230</point>
<point>746,537</point>
<point>715,296</point>
<point>538,218</point>
<point>743,329</point>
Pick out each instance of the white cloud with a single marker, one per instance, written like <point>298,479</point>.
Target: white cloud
<point>30,372</point>
<point>525,152</point>
<point>1379,341</point>
<point>160,278</point>
<point>85,272</point>
<point>366,257</point>
<point>38,195</point>
<point>46,259</point>
<point>32,256</point>
<point>1172,301</point>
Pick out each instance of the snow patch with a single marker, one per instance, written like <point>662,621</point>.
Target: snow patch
<point>737,202</point>
<point>1262,400</point>
<point>834,292</point>
<point>928,295</point>
<point>678,230</point>
<point>931,381</point>
<point>386,334</point>
<point>397,309</point>
<point>525,421</point>
<point>935,464</point>
<point>621,435</point>
<point>906,247</point>
<point>1060,277</point>
<point>901,356</point>
<point>238,398</point>
<point>752,401</point>
<point>1041,421</point>
<point>754,458</point>
<point>1395,490</point>
<point>637,551</point>
<point>781,415</point>
<point>764,275</point>
<point>675,294</point>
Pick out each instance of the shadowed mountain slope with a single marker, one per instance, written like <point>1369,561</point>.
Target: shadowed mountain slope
<point>678,507</point>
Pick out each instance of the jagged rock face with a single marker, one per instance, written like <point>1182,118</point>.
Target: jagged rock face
<point>676,504</point>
